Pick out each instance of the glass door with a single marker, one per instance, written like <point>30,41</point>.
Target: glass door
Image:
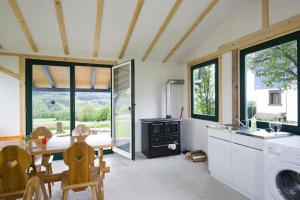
<point>123,109</point>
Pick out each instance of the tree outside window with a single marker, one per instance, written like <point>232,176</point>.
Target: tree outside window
<point>204,83</point>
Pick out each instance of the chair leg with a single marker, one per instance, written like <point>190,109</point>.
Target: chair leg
<point>94,192</point>
<point>48,171</point>
<point>51,171</point>
<point>65,195</point>
<point>49,189</point>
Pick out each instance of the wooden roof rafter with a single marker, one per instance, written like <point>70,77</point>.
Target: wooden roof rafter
<point>134,19</point>
<point>98,27</point>
<point>265,13</point>
<point>162,28</point>
<point>61,24</point>
<point>198,20</point>
<point>16,9</point>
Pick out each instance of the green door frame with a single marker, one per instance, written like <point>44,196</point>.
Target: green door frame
<point>28,88</point>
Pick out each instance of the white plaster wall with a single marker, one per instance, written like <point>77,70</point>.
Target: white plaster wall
<point>242,21</point>
<point>9,98</point>
<point>150,92</point>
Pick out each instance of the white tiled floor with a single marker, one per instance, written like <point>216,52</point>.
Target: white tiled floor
<point>167,178</point>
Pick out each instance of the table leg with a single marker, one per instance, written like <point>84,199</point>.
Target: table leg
<point>35,172</point>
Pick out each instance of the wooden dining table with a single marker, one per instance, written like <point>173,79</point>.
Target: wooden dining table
<point>57,144</point>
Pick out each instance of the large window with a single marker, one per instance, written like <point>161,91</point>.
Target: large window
<point>269,82</point>
<point>204,84</point>
<point>61,95</point>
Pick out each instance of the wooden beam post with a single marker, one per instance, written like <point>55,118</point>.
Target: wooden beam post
<point>162,28</point>
<point>98,27</point>
<point>22,96</point>
<point>265,13</point>
<point>1,47</point>
<point>61,24</point>
<point>235,86</point>
<point>220,90</point>
<point>134,19</point>
<point>191,29</point>
<point>15,7</point>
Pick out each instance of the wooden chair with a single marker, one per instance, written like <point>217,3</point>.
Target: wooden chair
<point>82,173</point>
<point>80,130</point>
<point>13,164</point>
<point>33,189</point>
<point>45,160</point>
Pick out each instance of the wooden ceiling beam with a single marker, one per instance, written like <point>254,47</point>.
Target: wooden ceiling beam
<point>16,9</point>
<point>93,77</point>
<point>60,58</point>
<point>162,28</point>
<point>191,29</point>
<point>265,13</point>
<point>134,19</point>
<point>8,72</point>
<point>48,75</point>
<point>61,24</point>
<point>98,27</point>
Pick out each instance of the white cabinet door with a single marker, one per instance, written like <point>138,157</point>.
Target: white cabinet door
<point>247,170</point>
<point>219,155</point>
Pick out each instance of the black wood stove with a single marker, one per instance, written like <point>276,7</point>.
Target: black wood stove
<point>160,137</point>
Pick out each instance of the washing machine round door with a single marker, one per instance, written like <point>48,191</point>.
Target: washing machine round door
<point>284,181</point>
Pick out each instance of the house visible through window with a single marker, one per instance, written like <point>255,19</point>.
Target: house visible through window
<point>204,84</point>
<point>275,97</point>
<point>269,82</point>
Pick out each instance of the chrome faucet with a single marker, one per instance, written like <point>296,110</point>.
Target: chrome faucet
<point>247,124</point>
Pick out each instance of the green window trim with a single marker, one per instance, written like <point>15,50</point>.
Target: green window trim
<point>262,46</point>
<point>214,118</point>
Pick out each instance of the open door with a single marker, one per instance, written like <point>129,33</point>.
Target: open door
<point>123,109</point>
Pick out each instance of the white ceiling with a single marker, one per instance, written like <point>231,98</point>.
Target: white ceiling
<point>80,20</point>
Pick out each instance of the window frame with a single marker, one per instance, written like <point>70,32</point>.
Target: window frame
<point>265,45</point>
<point>214,118</point>
<point>271,93</point>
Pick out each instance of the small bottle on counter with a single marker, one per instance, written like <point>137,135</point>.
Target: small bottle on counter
<point>253,123</point>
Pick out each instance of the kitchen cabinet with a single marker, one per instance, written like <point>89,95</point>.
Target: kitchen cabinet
<point>247,170</point>
<point>219,157</point>
<point>237,161</point>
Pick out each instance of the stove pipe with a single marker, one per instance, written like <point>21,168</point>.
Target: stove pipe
<point>168,95</point>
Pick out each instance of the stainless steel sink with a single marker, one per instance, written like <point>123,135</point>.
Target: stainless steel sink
<point>259,133</point>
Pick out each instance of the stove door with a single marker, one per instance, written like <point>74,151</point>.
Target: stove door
<point>284,181</point>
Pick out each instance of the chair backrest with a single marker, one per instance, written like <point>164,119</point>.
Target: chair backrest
<point>80,159</point>
<point>81,129</point>
<point>41,131</point>
<point>33,189</point>
<point>13,164</point>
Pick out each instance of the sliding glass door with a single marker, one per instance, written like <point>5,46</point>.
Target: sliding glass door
<point>61,95</point>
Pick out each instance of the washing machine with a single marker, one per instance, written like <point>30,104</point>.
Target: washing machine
<point>282,168</point>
